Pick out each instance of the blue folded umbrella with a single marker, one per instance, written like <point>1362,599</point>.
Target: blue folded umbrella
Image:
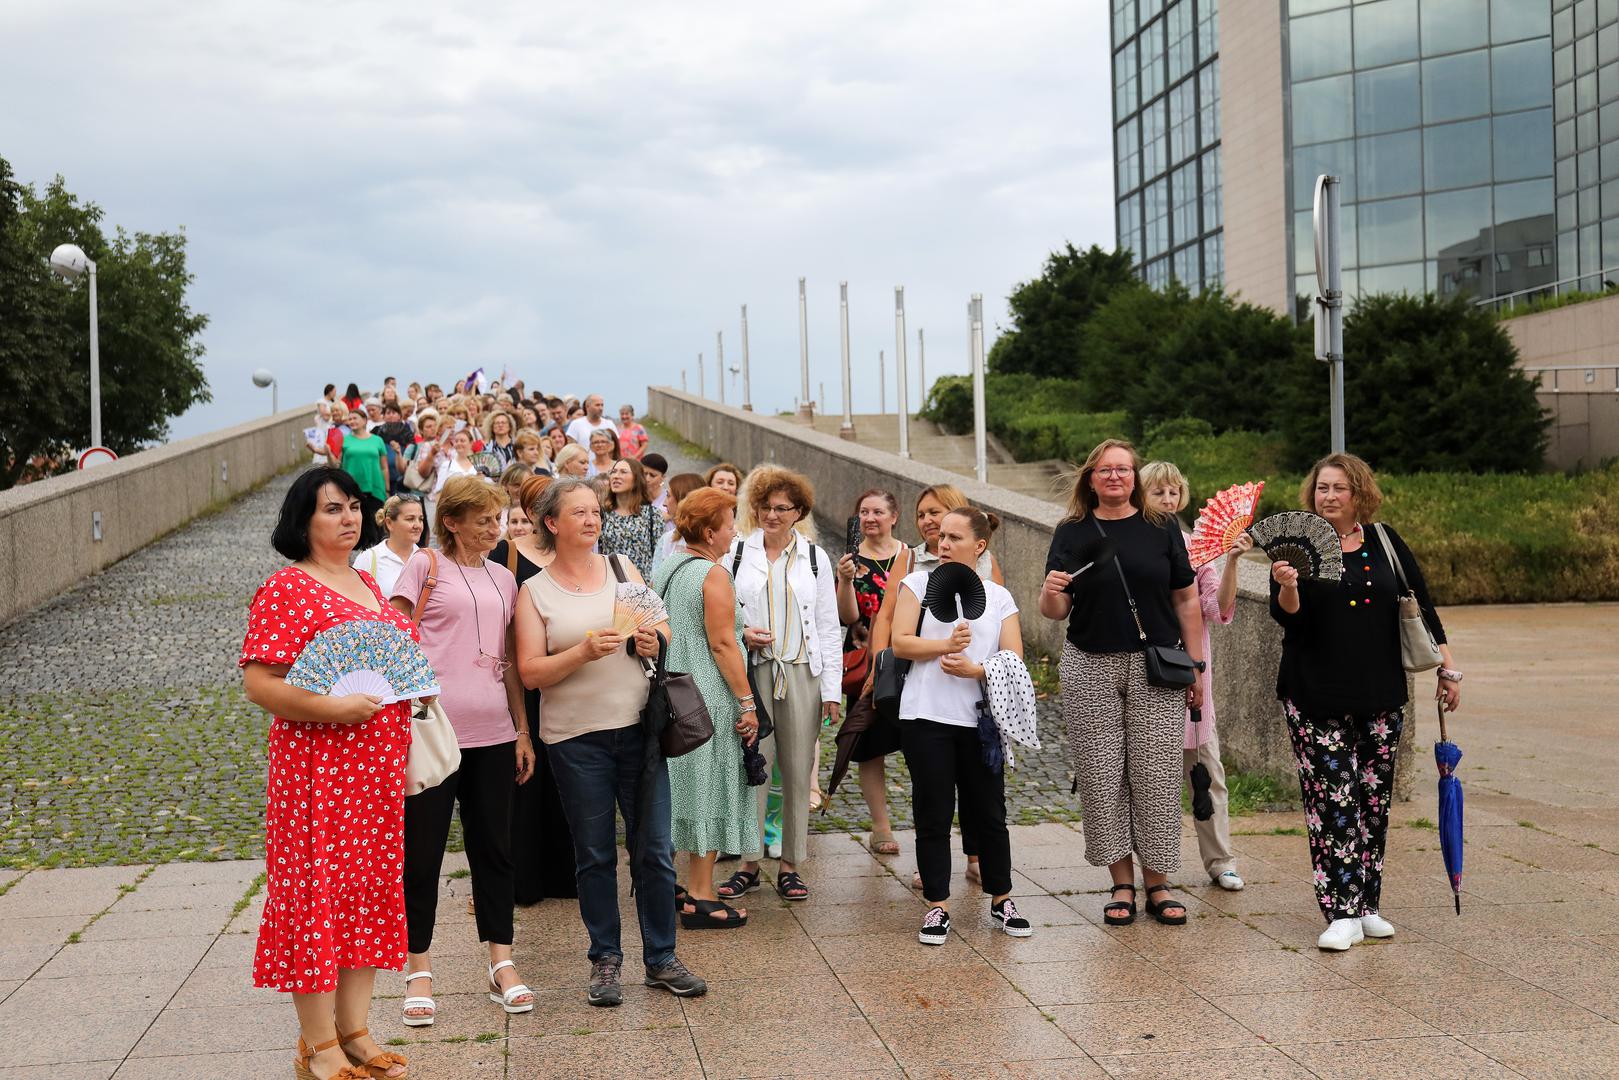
<point>1447,755</point>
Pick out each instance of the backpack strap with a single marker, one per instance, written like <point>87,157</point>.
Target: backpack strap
<point>815,567</point>
<point>736,560</point>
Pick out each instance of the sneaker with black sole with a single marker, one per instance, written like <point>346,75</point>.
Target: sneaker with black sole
<point>935,927</point>
<point>677,979</point>
<point>1005,913</point>
<point>605,990</point>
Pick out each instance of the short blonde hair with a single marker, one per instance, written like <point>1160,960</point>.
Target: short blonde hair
<point>462,496</point>
<point>568,455</point>
<point>1164,474</point>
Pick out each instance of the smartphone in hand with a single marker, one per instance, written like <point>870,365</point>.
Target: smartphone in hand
<point>852,536</point>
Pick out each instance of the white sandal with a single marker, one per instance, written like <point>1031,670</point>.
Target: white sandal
<point>418,1003</point>
<point>505,999</point>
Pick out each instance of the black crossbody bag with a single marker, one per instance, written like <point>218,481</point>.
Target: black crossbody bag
<point>1169,666</point>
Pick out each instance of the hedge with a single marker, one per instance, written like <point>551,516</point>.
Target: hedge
<point>1482,537</point>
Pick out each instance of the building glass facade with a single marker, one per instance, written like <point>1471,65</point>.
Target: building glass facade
<point>1585,75</point>
<point>1438,117</point>
<point>1166,138</point>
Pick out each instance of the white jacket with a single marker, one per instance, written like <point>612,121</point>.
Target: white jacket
<point>817,595</point>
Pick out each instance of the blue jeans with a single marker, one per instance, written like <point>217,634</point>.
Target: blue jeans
<point>595,773</point>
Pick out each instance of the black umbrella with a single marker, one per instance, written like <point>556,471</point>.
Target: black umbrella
<point>862,736</point>
<point>1202,804</point>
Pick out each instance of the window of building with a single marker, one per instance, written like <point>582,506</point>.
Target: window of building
<point>1316,44</point>
<point>1212,213</point>
<point>1214,261</point>
<point>1183,121</point>
<point>1130,223</point>
<point>1128,147</point>
<point>1456,87</point>
<point>1125,100</point>
<point>1152,60</point>
<point>1153,135</point>
<point>1184,202</point>
<point>1514,20</point>
<point>1156,210</point>
<point>1208,30</point>
<point>1208,103</point>
<point>1389,164</point>
<point>1124,19</point>
<point>1523,144</point>
<point>1453,25</point>
<point>1385,32</point>
<point>1334,159</point>
<point>1390,231</point>
<point>1179,25</point>
<point>1520,202</point>
<point>1456,155</point>
<point>1186,268</point>
<point>1323,110</point>
<point>1521,77</point>
<point>1459,221</point>
<point>1387,99</point>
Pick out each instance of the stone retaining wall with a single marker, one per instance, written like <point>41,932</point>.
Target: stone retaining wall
<point>47,529</point>
<point>1246,653</point>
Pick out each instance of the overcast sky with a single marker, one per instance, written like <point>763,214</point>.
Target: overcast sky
<point>585,193</point>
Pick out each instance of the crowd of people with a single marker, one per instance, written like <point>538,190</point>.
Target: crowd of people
<point>500,529</point>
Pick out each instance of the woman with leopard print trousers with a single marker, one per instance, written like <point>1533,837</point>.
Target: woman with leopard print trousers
<point>1124,734</point>
<point>1342,685</point>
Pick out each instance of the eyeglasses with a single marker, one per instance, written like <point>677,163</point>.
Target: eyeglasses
<point>1122,470</point>
<point>492,663</point>
<point>780,510</point>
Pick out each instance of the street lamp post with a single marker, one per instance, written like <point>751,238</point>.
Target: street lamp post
<point>882,383</point>
<point>702,390</point>
<point>747,386</point>
<point>805,408</point>
<point>845,429</point>
<point>900,380</point>
<point>69,261</point>
<point>975,356</point>
<point>262,378</point>
<point>719,360</point>
<point>1329,300</point>
<point>921,367</point>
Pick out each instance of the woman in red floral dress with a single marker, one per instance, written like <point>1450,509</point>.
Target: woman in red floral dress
<point>334,819</point>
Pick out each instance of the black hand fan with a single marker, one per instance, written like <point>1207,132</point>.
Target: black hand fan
<point>1306,541</point>
<point>1092,555</point>
<point>955,591</point>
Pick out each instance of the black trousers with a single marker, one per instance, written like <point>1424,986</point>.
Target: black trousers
<point>946,760</point>
<point>483,786</point>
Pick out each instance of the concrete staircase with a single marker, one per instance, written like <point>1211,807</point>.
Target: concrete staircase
<point>928,443</point>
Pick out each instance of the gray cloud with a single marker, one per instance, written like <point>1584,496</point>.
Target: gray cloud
<point>584,192</point>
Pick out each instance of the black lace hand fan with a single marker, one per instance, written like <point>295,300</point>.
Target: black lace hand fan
<point>1305,541</point>
<point>955,591</point>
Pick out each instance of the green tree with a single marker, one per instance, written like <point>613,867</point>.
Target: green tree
<point>1160,355</point>
<point>1430,385</point>
<point>150,348</point>
<point>1050,313</point>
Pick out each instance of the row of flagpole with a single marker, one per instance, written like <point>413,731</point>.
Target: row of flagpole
<point>806,404</point>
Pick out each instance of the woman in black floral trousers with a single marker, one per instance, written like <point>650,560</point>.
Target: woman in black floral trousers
<point>1343,691</point>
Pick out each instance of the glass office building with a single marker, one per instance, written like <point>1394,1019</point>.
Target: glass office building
<point>1166,138</point>
<point>1585,76</point>
<point>1437,115</point>
<point>1477,141</point>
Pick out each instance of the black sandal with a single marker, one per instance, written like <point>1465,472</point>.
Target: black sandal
<point>702,918</point>
<point>741,883</point>
<point>789,886</point>
<point>1129,909</point>
<point>1156,910</point>
<point>682,897</point>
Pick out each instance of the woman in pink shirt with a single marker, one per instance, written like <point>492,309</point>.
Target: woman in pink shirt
<point>632,437</point>
<point>1217,591</point>
<point>464,604</point>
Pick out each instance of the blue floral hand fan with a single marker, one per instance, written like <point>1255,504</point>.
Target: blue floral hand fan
<point>364,657</point>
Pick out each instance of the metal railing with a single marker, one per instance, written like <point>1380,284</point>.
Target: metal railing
<point>1588,381</point>
<point>1600,278</point>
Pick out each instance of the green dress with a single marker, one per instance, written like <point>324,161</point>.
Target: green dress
<point>713,808</point>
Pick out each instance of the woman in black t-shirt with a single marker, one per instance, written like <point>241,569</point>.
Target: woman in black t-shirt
<point>1343,691</point>
<point>1124,734</point>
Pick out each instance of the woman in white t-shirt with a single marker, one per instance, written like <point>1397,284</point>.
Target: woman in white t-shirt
<point>452,459</point>
<point>403,526</point>
<point>939,728</point>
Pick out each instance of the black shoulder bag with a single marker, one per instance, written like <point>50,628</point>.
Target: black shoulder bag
<point>675,711</point>
<point>1169,666</point>
<point>888,684</point>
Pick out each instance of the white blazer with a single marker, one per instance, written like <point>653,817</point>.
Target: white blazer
<point>817,595</point>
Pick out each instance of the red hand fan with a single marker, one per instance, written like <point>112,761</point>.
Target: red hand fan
<point>1223,517</point>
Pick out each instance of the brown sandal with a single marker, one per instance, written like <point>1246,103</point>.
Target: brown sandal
<point>376,1068</point>
<point>300,1064</point>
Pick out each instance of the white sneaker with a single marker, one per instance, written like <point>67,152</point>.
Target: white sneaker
<point>1341,935</point>
<point>1230,881</point>
<point>1374,925</point>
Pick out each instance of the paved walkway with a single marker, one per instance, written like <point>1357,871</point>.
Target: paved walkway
<point>1522,984</point>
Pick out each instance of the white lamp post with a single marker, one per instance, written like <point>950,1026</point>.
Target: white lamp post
<point>263,378</point>
<point>69,261</point>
